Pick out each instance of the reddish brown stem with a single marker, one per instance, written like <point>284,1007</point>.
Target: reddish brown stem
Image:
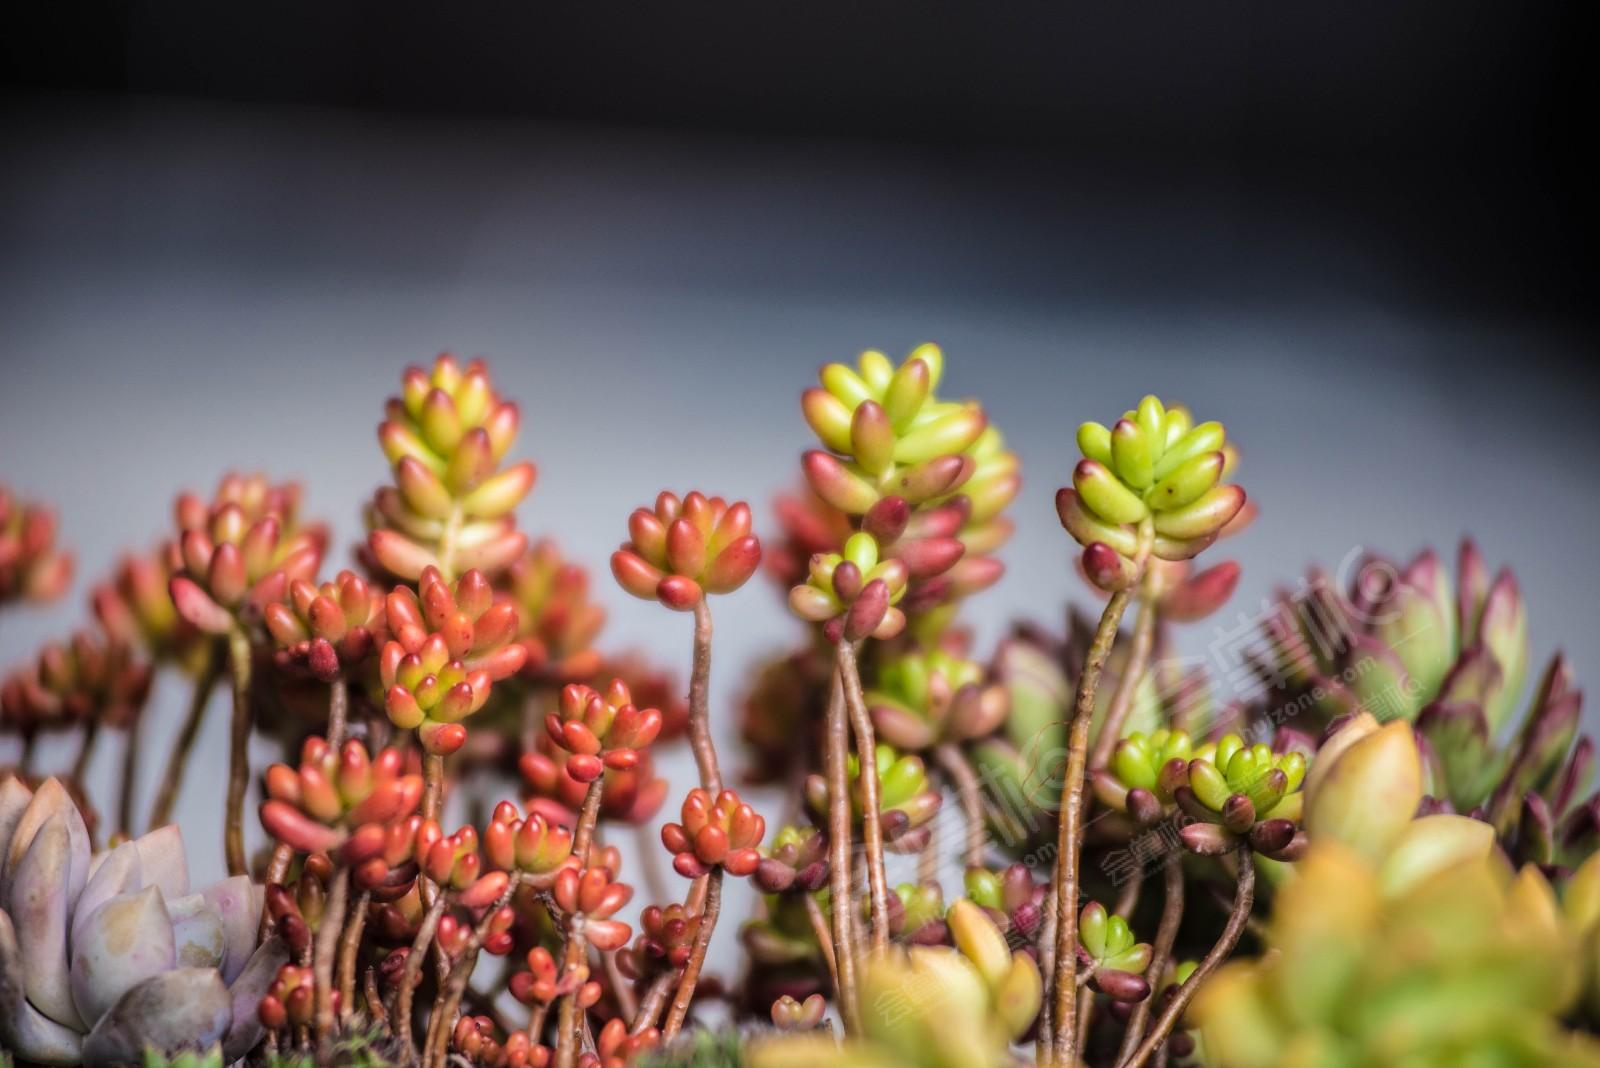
<point>819,929</point>
<point>840,898</point>
<point>567,1036</point>
<point>621,987</point>
<point>338,711</point>
<point>1243,899</point>
<point>238,751</point>
<point>697,957</point>
<point>871,820</point>
<point>970,794</point>
<point>413,970</point>
<point>1161,951</point>
<point>705,751</point>
<point>588,817</point>
<point>442,1022</point>
<point>655,999</point>
<point>172,779</point>
<point>432,796</point>
<point>328,930</point>
<point>1144,635</point>
<point>130,775</point>
<point>349,946</point>
<point>1065,991</point>
<point>80,764</point>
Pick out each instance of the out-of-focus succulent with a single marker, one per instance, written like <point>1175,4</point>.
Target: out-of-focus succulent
<point>887,434</point>
<point>666,939</point>
<point>1232,789</point>
<point>103,956</point>
<point>682,550</point>
<point>921,700</point>
<point>1108,949</point>
<point>1364,785</point>
<point>1428,953</point>
<point>919,917</point>
<point>454,862</point>
<point>601,730</point>
<point>853,593</point>
<point>791,1015</point>
<point>448,647</point>
<point>328,629</point>
<point>339,799</point>
<point>557,623</point>
<point>798,858</point>
<point>906,799</point>
<point>1011,898</point>
<point>629,795</point>
<point>545,980</point>
<point>595,894</point>
<point>1137,780</point>
<point>32,566</point>
<point>450,506</point>
<point>90,677</point>
<point>135,608</point>
<point>1152,467</point>
<point>238,554</point>
<point>723,833</point>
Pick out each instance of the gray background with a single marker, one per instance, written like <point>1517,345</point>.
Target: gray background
<point>188,286</point>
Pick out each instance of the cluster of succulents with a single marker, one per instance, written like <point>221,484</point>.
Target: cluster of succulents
<point>1110,867</point>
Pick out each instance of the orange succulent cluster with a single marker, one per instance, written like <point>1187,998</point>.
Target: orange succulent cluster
<point>682,550</point>
<point>724,833</point>
<point>601,730</point>
<point>32,567</point>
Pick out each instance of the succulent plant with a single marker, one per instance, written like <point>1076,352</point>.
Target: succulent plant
<point>1109,952</point>
<point>724,833</point>
<point>450,506</point>
<point>328,629</point>
<point>853,593</point>
<point>682,550</point>
<point>101,957</point>
<point>32,566</point>
<point>601,730</point>
<point>906,800</point>
<point>921,700</point>
<point>1235,790</point>
<point>557,621</point>
<point>339,799</point>
<point>596,895</point>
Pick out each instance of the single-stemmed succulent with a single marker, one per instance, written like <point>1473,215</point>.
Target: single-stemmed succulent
<point>450,506</point>
<point>102,957</point>
<point>601,730</point>
<point>681,550</point>
<point>853,593</point>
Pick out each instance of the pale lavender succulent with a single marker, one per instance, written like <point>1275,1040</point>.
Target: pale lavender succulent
<point>104,955</point>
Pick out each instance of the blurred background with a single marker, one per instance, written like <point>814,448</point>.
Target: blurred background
<point>1361,234</point>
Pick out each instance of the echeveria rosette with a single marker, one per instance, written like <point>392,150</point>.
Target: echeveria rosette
<point>449,645</point>
<point>853,594</point>
<point>920,700</point>
<point>681,550</point>
<point>1150,485</point>
<point>724,833</point>
<point>1107,947</point>
<point>887,434</point>
<point>907,799</point>
<point>557,622</point>
<point>103,956</point>
<point>1235,790</point>
<point>330,629</point>
<point>450,506</point>
<point>32,566</point>
<point>334,796</point>
<point>601,730</point>
<point>241,552</point>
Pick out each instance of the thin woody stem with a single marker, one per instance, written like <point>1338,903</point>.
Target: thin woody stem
<point>413,970</point>
<point>338,711</point>
<point>871,825</point>
<point>204,683</point>
<point>819,928</point>
<point>130,774</point>
<point>705,751</point>
<point>1071,825</point>
<point>655,999</point>
<point>432,795</point>
<point>448,1002</point>
<point>238,751</point>
<point>1044,1045</point>
<point>583,836</point>
<point>697,957</point>
<point>840,897</point>
<point>80,764</point>
<point>326,947</point>
<point>970,794</point>
<point>349,946</point>
<point>621,989</point>
<point>1144,633</point>
<point>567,1022</point>
<point>1243,899</point>
<point>1166,935</point>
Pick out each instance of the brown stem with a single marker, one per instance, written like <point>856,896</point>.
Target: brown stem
<point>567,1023</point>
<point>536,1019</point>
<point>1071,827</point>
<point>413,970</point>
<point>1044,1045</point>
<point>1128,899</point>
<point>697,958</point>
<point>705,752</point>
<point>338,711</point>
<point>442,1023</point>
<point>655,999</point>
<point>970,794</point>
<point>432,793</point>
<point>871,820</point>
<point>327,945</point>
<point>277,872</point>
<point>349,946</point>
<point>819,928</point>
<point>583,837</point>
<point>80,764</point>
<point>238,751</point>
<point>172,779</point>
<point>840,899</point>
<point>1144,635</point>
<point>1243,898</point>
<point>130,775</point>
<point>1166,935</point>
<point>621,987</point>
<point>375,1000</point>
<point>928,859</point>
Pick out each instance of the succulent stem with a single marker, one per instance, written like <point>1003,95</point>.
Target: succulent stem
<point>1243,898</point>
<point>819,928</point>
<point>413,969</point>
<point>1044,1045</point>
<point>697,957</point>
<point>705,751</point>
<point>80,763</point>
<point>567,1036</point>
<point>655,999</point>
<point>131,750</point>
<point>172,780</point>
<point>238,751</point>
<point>1144,634</point>
<point>349,946</point>
<point>1166,935</point>
<point>840,879</point>
<point>338,711</point>
<point>432,791</point>
<point>446,1005</point>
<point>621,988</point>
<point>328,931</point>
<point>970,794</point>
<point>871,820</point>
<point>583,835</point>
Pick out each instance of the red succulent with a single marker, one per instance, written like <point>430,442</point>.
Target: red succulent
<point>723,833</point>
<point>683,550</point>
